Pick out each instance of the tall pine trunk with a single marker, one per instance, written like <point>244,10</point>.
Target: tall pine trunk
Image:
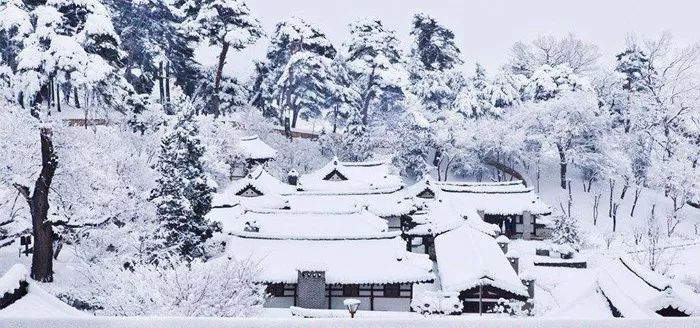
<point>217,80</point>
<point>42,257</point>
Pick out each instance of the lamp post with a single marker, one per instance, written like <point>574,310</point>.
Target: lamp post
<point>352,305</point>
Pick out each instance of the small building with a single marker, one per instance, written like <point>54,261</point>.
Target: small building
<point>258,189</point>
<point>347,185</point>
<point>317,259</point>
<point>351,177</point>
<point>471,263</point>
<point>509,205</point>
<point>256,151</point>
<point>322,272</point>
<point>623,288</point>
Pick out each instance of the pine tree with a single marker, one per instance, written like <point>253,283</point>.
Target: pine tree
<point>343,98</point>
<point>414,148</point>
<point>375,67</point>
<point>198,188</point>
<point>228,24</point>
<point>434,44</point>
<point>481,105</point>
<point>77,47</point>
<point>15,26</point>
<point>357,145</point>
<point>183,194</point>
<point>305,86</point>
<point>291,36</point>
<point>432,66</point>
<point>549,82</point>
<point>566,231</point>
<point>150,33</point>
<point>639,73</point>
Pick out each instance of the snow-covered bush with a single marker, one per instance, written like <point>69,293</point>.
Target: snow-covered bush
<point>435,303</point>
<point>513,307</point>
<point>566,231</point>
<point>220,287</point>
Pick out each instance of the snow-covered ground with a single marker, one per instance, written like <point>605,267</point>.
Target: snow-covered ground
<point>443,322</point>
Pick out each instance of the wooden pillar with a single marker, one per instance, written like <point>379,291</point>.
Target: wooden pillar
<point>371,297</point>
<point>330,292</point>
<point>481,292</point>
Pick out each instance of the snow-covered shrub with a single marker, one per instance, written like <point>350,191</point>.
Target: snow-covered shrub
<point>220,288</point>
<point>693,282</point>
<point>432,303</point>
<point>513,307</point>
<point>566,232</point>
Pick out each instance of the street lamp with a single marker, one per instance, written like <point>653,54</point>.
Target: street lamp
<point>352,305</point>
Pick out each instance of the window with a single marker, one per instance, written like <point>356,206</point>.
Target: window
<point>275,290</point>
<point>351,290</point>
<point>392,290</point>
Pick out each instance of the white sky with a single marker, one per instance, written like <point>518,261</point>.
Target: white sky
<point>485,30</point>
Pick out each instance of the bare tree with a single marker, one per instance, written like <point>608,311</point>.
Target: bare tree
<point>596,205</point>
<point>552,50</point>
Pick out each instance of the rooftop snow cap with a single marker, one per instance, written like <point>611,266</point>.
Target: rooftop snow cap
<point>255,149</point>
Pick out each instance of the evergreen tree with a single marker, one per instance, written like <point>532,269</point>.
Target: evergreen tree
<point>71,44</point>
<point>150,33</point>
<point>343,98</point>
<point>481,106</point>
<point>414,147</point>
<point>432,67</point>
<point>14,27</point>
<point>637,69</point>
<point>291,36</point>
<point>183,194</point>
<point>566,231</point>
<point>223,23</point>
<point>375,67</point>
<point>357,145</point>
<point>548,82</point>
<point>485,97</point>
<point>305,86</point>
<point>434,44</point>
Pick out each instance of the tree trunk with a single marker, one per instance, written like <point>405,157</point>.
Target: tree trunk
<point>161,90</point>
<point>636,198</point>
<point>217,79</point>
<point>77,99</point>
<point>368,98</point>
<point>506,169</point>
<point>562,167</point>
<point>295,115</point>
<point>335,118</point>
<point>42,257</point>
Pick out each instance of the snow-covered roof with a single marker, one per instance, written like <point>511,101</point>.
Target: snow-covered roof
<point>381,204</point>
<point>437,217</point>
<point>634,291</point>
<point>254,148</point>
<point>467,258</point>
<point>327,224</point>
<point>349,261</point>
<point>498,198</point>
<point>257,189</point>
<point>37,303</point>
<point>424,188</point>
<point>338,177</point>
